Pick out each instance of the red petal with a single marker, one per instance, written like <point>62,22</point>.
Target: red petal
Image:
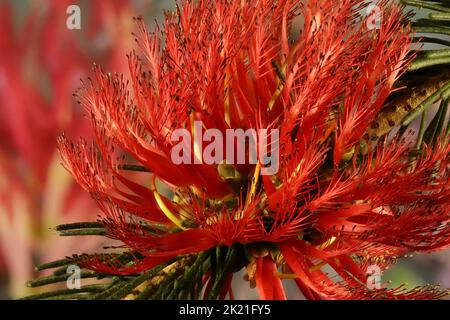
<point>269,286</point>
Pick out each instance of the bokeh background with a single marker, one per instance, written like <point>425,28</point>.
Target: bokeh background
<point>41,64</point>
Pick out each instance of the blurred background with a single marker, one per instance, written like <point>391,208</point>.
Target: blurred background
<point>41,63</point>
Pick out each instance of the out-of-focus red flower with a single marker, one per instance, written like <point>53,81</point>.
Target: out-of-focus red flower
<point>41,62</point>
<point>232,65</point>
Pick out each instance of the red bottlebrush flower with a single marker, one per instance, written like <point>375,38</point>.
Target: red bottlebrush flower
<point>41,62</point>
<point>337,201</point>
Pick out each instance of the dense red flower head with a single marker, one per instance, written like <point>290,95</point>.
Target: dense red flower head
<point>247,65</point>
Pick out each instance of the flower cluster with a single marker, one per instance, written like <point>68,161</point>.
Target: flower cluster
<point>339,203</point>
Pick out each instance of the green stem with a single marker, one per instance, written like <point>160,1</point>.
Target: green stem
<point>54,264</point>
<point>437,123</point>
<point>227,268</point>
<point>421,130</point>
<point>411,116</point>
<point>422,4</point>
<point>146,293</point>
<point>71,296</point>
<point>431,29</point>
<point>429,23</point>
<point>447,132</point>
<point>83,232</point>
<point>196,290</point>
<point>87,289</point>
<point>443,117</point>
<point>421,63</point>
<point>79,225</point>
<point>113,288</point>
<point>439,16</point>
<point>165,286</point>
<point>437,53</point>
<point>432,40</point>
<point>59,278</point>
<point>188,279</point>
<point>126,289</point>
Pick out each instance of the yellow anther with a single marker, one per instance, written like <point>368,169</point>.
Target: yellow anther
<point>254,181</point>
<point>164,208</point>
<point>197,149</point>
<point>285,276</point>
<point>317,266</point>
<point>327,243</point>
